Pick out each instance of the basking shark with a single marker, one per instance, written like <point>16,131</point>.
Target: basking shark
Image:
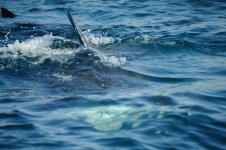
<point>5,13</point>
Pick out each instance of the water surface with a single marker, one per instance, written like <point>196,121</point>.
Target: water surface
<point>157,80</point>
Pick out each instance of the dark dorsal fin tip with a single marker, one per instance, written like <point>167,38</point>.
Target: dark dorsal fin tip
<point>6,13</point>
<point>78,31</point>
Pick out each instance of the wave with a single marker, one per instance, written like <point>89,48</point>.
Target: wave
<point>54,51</point>
<point>106,38</point>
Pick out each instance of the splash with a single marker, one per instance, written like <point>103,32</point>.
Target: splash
<point>143,39</point>
<point>38,48</point>
<point>58,49</point>
<point>113,61</point>
<point>98,40</point>
<point>7,35</point>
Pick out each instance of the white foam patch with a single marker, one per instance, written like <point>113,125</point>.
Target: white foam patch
<point>144,38</point>
<point>7,35</point>
<point>63,76</point>
<point>98,40</point>
<point>39,47</point>
<point>113,61</point>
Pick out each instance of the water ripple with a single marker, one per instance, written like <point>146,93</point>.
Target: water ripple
<point>153,79</point>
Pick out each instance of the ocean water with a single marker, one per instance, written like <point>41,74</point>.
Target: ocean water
<point>155,77</point>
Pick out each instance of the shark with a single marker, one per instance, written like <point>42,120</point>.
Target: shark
<point>88,51</point>
<point>104,119</point>
<point>5,13</point>
<point>77,29</point>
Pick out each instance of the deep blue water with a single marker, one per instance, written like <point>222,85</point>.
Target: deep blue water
<point>157,79</point>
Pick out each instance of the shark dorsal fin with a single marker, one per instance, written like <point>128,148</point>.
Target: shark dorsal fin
<point>78,31</point>
<point>6,13</point>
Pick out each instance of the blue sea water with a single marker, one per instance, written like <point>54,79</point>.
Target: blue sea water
<point>156,80</point>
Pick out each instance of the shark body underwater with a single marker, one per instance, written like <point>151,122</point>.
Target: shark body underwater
<point>101,118</point>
